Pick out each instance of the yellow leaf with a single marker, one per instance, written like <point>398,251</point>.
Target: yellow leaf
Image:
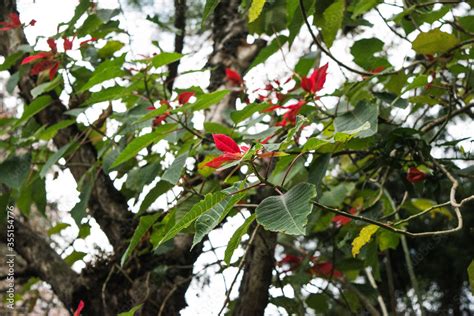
<point>363,238</point>
<point>255,9</point>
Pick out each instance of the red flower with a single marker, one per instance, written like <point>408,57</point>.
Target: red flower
<point>315,82</point>
<point>233,76</point>
<point>13,22</point>
<point>341,220</point>
<point>325,269</point>
<point>414,175</point>
<point>184,97</point>
<point>33,22</point>
<point>80,307</point>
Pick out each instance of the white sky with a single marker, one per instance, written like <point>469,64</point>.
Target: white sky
<point>49,13</point>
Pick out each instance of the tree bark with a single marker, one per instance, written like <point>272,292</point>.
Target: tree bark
<point>258,268</point>
<point>180,9</point>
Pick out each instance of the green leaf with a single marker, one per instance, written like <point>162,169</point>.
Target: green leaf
<point>56,229</point>
<point>204,101</point>
<point>110,94</point>
<point>160,188</point>
<point>51,131</point>
<point>352,122</point>
<point>35,107</point>
<point>287,213</point>
<point>12,82</point>
<point>173,173</point>
<point>141,142</point>
<point>434,41</point>
<point>318,302</point>
<point>209,201</point>
<point>332,21</point>
<point>336,195</point>
<point>208,10</point>
<point>11,60</point>
<point>144,225</point>
<point>255,9</point>
<point>364,237</point>
<point>74,256</point>
<point>318,169</point>
<point>216,128</point>
<point>46,86</point>
<point>165,59</point>
<point>470,272</point>
<point>86,185</point>
<point>109,69</point>
<point>364,50</point>
<point>132,311</point>
<point>269,50</point>
<point>54,158</point>
<point>362,6</point>
<point>14,171</point>
<point>109,49</point>
<point>211,218</point>
<point>236,237</point>
<point>247,111</point>
<point>388,240</point>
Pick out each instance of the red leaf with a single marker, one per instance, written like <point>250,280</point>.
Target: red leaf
<point>220,160</point>
<point>87,41</point>
<point>319,77</point>
<point>315,82</point>
<point>15,19</point>
<point>233,76</point>
<point>414,175</point>
<point>378,70</point>
<point>67,44</point>
<point>326,269</point>
<point>32,58</point>
<point>184,97</point>
<point>79,309</point>
<point>41,66</point>
<point>341,220</point>
<point>53,71</point>
<point>52,44</point>
<point>160,118</point>
<point>226,144</point>
<point>13,22</point>
<point>307,84</point>
<point>292,260</point>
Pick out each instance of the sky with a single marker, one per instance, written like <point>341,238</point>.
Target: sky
<point>61,190</point>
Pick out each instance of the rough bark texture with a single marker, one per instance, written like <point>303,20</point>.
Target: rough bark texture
<point>180,9</point>
<point>253,292</point>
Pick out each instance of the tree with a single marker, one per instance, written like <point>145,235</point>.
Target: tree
<point>353,201</point>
